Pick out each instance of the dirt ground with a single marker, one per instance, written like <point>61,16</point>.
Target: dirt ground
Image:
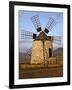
<point>41,72</point>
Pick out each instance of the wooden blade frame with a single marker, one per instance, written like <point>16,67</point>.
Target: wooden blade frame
<point>36,22</point>
<point>27,35</point>
<point>51,23</point>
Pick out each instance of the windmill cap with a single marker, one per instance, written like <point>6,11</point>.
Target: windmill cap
<point>43,36</point>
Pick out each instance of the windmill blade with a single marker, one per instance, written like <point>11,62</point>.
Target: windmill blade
<point>27,35</point>
<point>58,43</point>
<point>51,23</point>
<point>29,51</point>
<point>58,40</point>
<point>36,22</point>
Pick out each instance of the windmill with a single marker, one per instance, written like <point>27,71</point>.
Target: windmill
<point>42,44</point>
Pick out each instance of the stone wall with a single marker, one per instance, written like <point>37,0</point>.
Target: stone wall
<point>37,53</point>
<point>38,57</point>
<point>48,44</point>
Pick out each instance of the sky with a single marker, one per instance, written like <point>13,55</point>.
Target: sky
<point>26,24</point>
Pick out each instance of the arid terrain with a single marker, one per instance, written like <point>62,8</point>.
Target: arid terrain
<point>41,72</point>
<point>27,70</point>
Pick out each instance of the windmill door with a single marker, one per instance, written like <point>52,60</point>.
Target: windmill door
<point>50,52</point>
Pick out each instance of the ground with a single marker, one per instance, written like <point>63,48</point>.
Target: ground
<point>27,71</point>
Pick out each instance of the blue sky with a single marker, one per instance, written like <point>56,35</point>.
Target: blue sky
<point>25,23</point>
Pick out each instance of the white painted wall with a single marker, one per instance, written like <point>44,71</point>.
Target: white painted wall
<point>4,43</point>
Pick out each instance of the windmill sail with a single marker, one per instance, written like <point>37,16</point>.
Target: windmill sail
<point>51,23</point>
<point>25,41</point>
<point>36,22</point>
<point>27,35</point>
<point>58,40</point>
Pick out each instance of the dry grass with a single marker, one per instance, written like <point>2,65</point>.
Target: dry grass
<point>41,72</point>
<point>25,66</point>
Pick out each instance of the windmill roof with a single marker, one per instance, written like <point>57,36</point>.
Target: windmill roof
<point>43,36</point>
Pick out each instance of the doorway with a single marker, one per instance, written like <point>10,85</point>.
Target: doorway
<point>50,52</point>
